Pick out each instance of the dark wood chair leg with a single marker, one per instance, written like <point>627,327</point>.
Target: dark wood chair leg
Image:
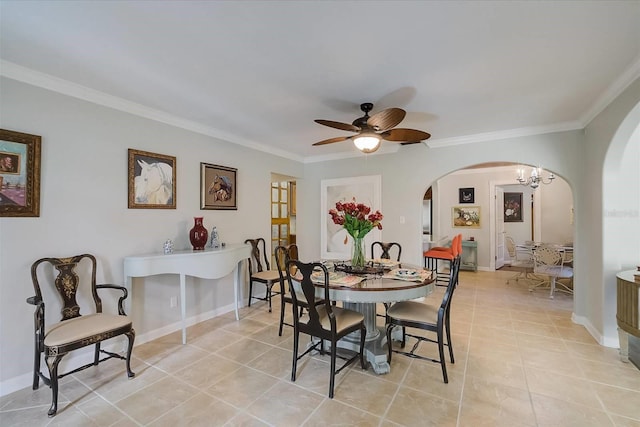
<point>294,365</point>
<point>363,335</point>
<point>52,363</point>
<point>281,316</point>
<point>333,368</point>
<point>96,355</point>
<point>389,342</point>
<point>250,292</point>
<point>131,337</point>
<point>449,340</point>
<point>443,362</point>
<point>36,365</point>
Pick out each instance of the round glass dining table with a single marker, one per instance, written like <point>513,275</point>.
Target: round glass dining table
<point>363,297</point>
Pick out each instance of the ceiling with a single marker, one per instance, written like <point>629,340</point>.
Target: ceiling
<point>259,73</point>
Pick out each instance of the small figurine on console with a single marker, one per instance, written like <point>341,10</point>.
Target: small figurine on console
<point>215,241</point>
<point>168,247</point>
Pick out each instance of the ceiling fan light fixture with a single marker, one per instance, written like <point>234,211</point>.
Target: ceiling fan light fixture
<point>367,142</point>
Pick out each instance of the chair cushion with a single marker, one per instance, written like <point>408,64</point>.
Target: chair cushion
<point>440,249</point>
<point>345,318</point>
<point>267,276</point>
<point>80,328</point>
<point>414,311</point>
<point>439,254</point>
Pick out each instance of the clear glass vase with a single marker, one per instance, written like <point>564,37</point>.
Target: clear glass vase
<point>358,254</point>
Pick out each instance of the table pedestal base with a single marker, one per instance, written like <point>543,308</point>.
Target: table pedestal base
<point>375,350</point>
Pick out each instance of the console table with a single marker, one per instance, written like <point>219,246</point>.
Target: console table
<point>627,317</point>
<point>206,264</point>
<point>469,257</point>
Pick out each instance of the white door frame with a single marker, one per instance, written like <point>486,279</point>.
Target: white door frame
<point>492,223</point>
<point>499,223</point>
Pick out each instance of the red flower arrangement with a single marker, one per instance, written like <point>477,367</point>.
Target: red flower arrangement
<point>356,218</point>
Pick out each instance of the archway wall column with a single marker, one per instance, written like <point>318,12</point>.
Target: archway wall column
<point>609,228</point>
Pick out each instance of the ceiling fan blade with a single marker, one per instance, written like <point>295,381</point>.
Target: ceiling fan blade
<point>338,125</point>
<point>405,135</point>
<point>332,140</point>
<point>386,119</point>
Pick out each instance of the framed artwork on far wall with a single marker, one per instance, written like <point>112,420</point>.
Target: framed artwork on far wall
<point>19,174</point>
<point>218,187</point>
<point>152,180</point>
<point>334,240</point>
<point>465,216</point>
<point>466,195</point>
<point>513,207</point>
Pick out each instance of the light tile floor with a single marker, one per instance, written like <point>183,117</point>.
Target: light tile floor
<point>520,361</point>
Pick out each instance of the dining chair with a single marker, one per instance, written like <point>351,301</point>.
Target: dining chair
<point>549,260</point>
<point>282,255</point>
<point>435,254</point>
<point>521,257</point>
<point>428,317</point>
<point>386,249</point>
<point>323,321</point>
<point>74,280</point>
<point>261,274</point>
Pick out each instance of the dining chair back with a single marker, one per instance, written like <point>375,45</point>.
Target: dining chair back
<point>282,255</point>
<point>323,320</point>
<point>549,260</point>
<point>428,317</point>
<point>386,249</point>
<point>261,273</point>
<point>72,281</point>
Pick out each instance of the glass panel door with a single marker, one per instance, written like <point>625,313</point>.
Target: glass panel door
<point>279,215</point>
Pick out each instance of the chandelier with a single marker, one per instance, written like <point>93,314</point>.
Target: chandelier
<point>535,179</point>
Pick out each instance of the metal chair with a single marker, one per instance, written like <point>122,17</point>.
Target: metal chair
<point>424,316</point>
<point>386,249</point>
<point>548,260</point>
<point>75,330</point>
<point>324,321</point>
<point>521,257</point>
<point>260,274</point>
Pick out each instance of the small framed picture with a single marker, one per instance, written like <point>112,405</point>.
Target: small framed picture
<point>465,216</point>
<point>19,174</point>
<point>218,187</point>
<point>513,207</point>
<point>152,180</point>
<point>466,195</point>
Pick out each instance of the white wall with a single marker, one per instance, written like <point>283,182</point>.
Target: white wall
<point>613,134</point>
<point>84,209</point>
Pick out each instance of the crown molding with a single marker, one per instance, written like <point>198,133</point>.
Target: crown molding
<point>614,90</point>
<point>504,134</point>
<point>65,87</point>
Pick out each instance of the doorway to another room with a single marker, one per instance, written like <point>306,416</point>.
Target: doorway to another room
<point>283,212</point>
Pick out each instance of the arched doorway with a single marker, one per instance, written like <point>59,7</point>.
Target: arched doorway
<point>551,220</point>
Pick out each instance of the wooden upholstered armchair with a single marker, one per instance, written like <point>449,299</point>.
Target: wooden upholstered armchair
<point>78,327</point>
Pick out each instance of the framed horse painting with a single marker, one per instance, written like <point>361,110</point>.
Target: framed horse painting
<point>152,180</point>
<point>218,187</point>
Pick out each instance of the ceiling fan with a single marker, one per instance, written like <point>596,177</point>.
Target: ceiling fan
<point>371,130</point>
